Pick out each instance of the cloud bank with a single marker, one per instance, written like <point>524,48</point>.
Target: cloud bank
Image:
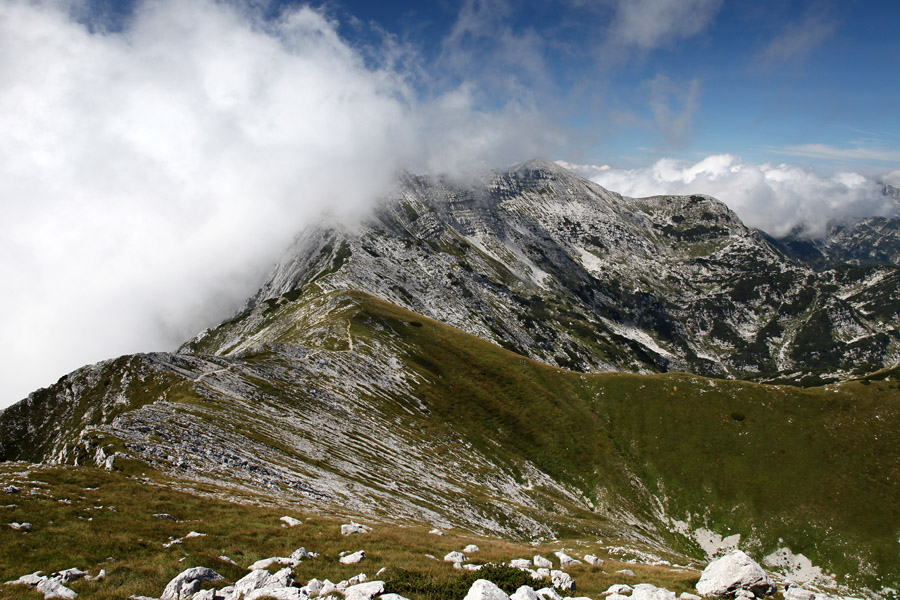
<point>149,177</point>
<point>774,198</point>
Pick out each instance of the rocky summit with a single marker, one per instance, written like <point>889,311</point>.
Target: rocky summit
<point>524,355</point>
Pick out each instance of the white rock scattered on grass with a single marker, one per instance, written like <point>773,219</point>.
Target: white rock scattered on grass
<point>688,596</point>
<point>544,573</point>
<point>391,597</point>
<point>11,489</point>
<point>364,591</point>
<point>646,591</point>
<point>53,588</point>
<point>20,526</point>
<point>290,521</point>
<point>254,580</point>
<point>357,579</point>
<point>276,593</point>
<point>351,528</point>
<point>520,563</point>
<point>483,589</point>
<point>540,561</point>
<point>194,534</point>
<point>327,588</point>
<point>224,558</point>
<point>188,579</point>
<point>436,532</point>
<point>593,560</point>
<point>618,597</point>
<point>70,575</point>
<point>562,580</point>
<point>468,566</point>
<point>32,579</point>
<point>265,563</point>
<point>798,593</point>
<point>622,589</point>
<point>380,571</point>
<point>470,548</point>
<point>565,560</point>
<point>734,571</point>
<point>524,593</point>
<point>353,559</point>
<point>301,554</point>
<point>548,593</point>
<point>166,516</point>
<point>314,587</point>
<point>534,574</point>
<point>626,572</point>
<point>455,557</point>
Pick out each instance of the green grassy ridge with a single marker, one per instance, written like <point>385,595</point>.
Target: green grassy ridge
<point>122,527</point>
<point>818,468</point>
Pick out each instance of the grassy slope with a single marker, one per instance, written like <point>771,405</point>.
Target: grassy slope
<point>62,537</point>
<point>817,468</point>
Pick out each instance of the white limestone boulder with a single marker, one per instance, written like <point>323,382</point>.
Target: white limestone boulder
<point>646,591</point>
<point>733,572</point>
<point>565,560</point>
<point>353,559</point>
<point>290,522</point>
<point>351,528</point>
<point>548,593</point>
<point>277,593</point>
<point>520,563</point>
<point>483,589</point>
<point>525,593</point>
<point>455,557</point>
<point>364,591</point>
<point>618,588</point>
<point>593,560</point>
<point>798,593</point>
<point>53,588</point>
<point>188,582</point>
<point>470,549</point>
<point>541,562</point>
<point>562,580</point>
<point>255,580</point>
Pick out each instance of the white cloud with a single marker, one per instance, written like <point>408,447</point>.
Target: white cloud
<point>774,198</point>
<point>797,40</point>
<point>149,177</point>
<point>674,105</point>
<point>648,24</point>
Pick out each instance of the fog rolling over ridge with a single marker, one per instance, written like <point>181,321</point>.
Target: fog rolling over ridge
<point>153,171</point>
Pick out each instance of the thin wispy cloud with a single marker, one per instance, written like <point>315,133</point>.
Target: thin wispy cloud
<point>857,153</point>
<point>796,41</point>
<point>648,24</point>
<point>674,106</point>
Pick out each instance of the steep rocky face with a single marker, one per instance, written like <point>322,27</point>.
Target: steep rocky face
<point>863,242</point>
<point>559,269</point>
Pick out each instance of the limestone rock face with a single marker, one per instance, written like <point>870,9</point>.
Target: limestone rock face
<point>187,583</point>
<point>733,572</point>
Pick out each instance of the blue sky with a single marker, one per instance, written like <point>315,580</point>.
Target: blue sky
<point>810,82</point>
<point>157,156</point>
